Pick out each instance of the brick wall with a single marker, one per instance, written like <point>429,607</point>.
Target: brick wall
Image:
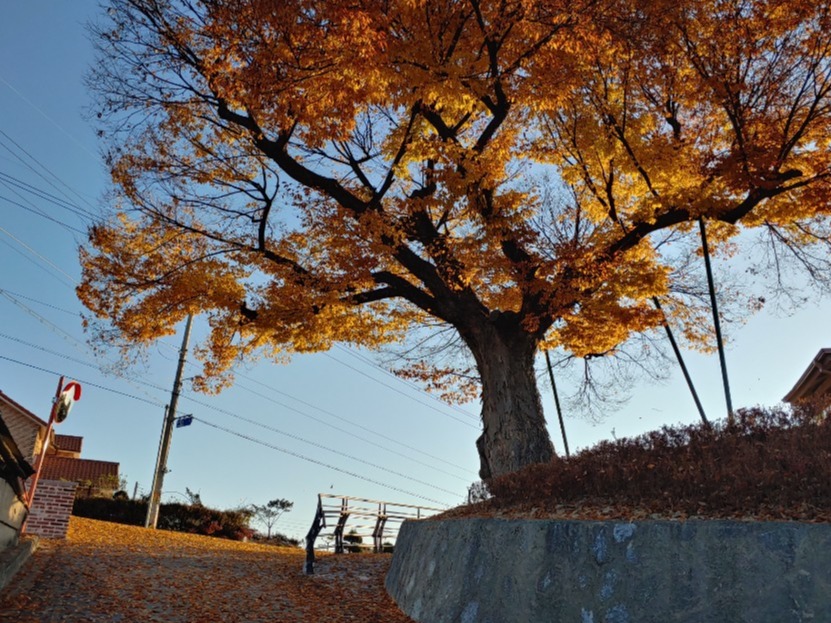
<point>49,515</point>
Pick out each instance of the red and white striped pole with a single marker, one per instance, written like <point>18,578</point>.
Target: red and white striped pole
<point>64,397</point>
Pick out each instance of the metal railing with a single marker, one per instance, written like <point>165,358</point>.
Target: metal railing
<point>335,511</point>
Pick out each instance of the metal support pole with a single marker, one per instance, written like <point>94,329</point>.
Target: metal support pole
<point>675,348</point>
<point>167,431</point>
<point>716,322</point>
<point>557,402</point>
<point>683,365</point>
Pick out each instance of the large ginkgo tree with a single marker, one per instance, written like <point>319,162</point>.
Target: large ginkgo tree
<point>308,172</point>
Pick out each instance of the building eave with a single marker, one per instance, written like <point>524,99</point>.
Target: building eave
<point>815,381</point>
<point>22,410</point>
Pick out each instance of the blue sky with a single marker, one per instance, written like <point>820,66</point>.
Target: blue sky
<point>420,450</point>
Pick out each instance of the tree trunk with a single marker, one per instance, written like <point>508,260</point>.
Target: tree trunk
<point>514,432</point>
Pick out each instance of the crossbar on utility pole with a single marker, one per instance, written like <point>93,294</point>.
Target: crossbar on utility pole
<point>167,430</point>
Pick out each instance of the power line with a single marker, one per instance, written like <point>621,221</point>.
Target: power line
<point>469,415</point>
<point>50,119</point>
<point>231,432</point>
<point>84,382</point>
<point>4,144</point>
<point>81,212</point>
<point>282,404</point>
<point>39,302</point>
<point>11,182</point>
<point>315,461</point>
<point>50,351</point>
<point>32,261</point>
<point>412,386</point>
<point>248,420</point>
<point>55,328</point>
<point>350,433</point>
<point>395,389</point>
<point>38,255</point>
<point>342,419</point>
<point>65,204</point>
<point>80,362</point>
<point>75,342</point>
<point>34,210</point>
<point>312,443</point>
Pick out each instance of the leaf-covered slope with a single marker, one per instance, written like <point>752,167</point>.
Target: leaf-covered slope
<point>112,572</point>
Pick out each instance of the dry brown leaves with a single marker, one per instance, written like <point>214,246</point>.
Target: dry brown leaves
<point>112,572</point>
<point>598,510</point>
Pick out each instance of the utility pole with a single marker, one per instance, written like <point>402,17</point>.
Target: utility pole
<point>167,431</point>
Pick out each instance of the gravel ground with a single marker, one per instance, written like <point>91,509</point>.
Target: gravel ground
<point>106,572</point>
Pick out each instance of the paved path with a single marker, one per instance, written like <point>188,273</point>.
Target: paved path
<point>106,572</point>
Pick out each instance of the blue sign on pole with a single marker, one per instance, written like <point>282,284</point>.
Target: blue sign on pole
<point>185,420</point>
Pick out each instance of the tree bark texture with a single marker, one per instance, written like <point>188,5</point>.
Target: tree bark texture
<point>514,432</point>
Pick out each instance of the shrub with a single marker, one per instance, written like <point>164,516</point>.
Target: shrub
<point>280,540</point>
<point>195,519</point>
<point>354,541</point>
<point>198,519</point>
<point>775,462</point>
<point>127,511</point>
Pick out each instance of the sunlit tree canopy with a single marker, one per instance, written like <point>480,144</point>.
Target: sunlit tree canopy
<point>306,172</point>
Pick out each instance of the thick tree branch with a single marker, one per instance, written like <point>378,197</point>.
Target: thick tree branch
<point>277,151</point>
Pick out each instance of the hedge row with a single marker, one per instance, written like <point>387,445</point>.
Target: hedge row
<point>774,462</point>
<point>195,519</point>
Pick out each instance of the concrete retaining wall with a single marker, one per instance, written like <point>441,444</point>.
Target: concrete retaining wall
<point>12,514</point>
<point>13,558</point>
<point>503,571</point>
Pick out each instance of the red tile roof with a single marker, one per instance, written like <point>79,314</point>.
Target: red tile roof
<point>69,443</point>
<point>78,470</point>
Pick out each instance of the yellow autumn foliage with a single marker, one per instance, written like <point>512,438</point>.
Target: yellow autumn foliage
<point>308,172</point>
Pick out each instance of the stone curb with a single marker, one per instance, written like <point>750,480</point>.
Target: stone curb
<point>13,558</point>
